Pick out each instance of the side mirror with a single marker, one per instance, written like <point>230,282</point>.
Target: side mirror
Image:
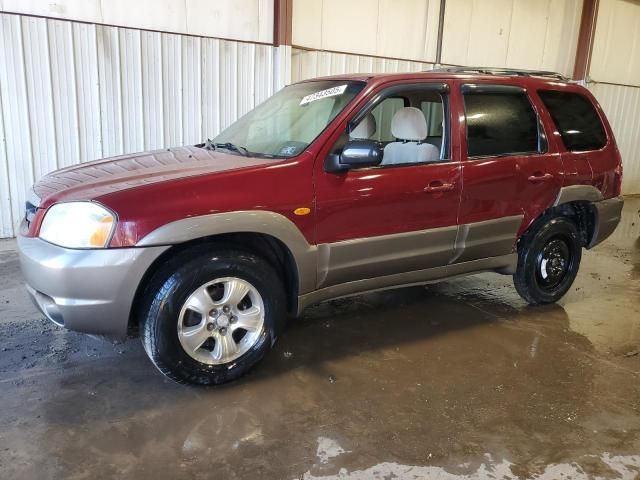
<point>355,154</point>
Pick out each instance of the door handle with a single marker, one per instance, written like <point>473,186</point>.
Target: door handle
<point>538,177</point>
<point>439,186</point>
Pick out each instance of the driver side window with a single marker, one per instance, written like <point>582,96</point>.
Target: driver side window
<point>410,125</point>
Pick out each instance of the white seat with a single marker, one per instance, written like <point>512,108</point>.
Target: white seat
<point>409,126</point>
<point>365,129</point>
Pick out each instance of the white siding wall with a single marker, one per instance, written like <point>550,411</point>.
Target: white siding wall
<point>533,34</point>
<point>622,106</point>
<point>309,63</point>
<point>249,20</point>
<point>389,28</point>
<point>616,48</point>
<point>72,92</point>
<point>616,61</point>
<point>536,34</point>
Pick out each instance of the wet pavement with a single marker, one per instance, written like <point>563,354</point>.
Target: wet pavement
<point>457,380</point>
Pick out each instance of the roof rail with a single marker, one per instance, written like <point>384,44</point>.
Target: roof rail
<point>502,71</point>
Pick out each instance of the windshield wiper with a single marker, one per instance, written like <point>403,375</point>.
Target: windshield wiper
<point>211,145</point>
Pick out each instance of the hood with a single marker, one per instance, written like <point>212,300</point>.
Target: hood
<point>100,177</point>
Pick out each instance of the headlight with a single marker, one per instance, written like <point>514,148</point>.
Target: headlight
<point>78,225</point>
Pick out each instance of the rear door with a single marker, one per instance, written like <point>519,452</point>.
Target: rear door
<point>508,171</point>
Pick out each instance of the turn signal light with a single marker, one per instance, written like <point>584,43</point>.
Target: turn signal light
<point>302,211</point>
<point>100,236</point>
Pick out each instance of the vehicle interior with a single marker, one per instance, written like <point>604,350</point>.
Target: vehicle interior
<point>409,124</point>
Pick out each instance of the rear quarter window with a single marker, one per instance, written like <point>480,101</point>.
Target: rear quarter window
<point>576,120</point>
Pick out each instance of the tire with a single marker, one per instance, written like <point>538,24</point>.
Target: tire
<point>548,260</point>
<point>185,304</point>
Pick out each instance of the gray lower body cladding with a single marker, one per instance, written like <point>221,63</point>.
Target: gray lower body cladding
<point>352,260</point>
<point>609,213</point>
<point>369,264</point>
<point>503,264</point>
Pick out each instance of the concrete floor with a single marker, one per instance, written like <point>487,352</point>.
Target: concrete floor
<point>459,380</point>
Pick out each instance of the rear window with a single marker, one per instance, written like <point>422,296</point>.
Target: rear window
<point>500,124</point>
<point>576,119</point>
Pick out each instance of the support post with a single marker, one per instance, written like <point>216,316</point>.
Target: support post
<point>282,22</point>
<point>443,4</point>
<point>585,39</point>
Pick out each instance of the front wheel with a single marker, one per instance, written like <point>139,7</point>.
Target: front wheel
<point>212,316</point>
<point>548,261</point>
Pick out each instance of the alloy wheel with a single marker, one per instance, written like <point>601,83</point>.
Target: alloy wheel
<point>221,320</point>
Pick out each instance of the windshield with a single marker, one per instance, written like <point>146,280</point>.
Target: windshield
<point>285,124</point>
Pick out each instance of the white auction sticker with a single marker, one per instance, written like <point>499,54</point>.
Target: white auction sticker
<point>329,92</point>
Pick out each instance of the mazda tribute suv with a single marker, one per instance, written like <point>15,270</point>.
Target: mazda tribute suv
<point>332,187</point>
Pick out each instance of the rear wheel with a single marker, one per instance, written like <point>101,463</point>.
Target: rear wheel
<point>548,261</point>
<point>212,316</point>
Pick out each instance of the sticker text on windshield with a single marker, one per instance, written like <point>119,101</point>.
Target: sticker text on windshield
<point>329,92</point>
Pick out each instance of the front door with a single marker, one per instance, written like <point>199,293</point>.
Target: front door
<point>402,215</point>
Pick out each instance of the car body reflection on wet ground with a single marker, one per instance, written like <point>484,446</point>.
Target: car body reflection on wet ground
<point>456,380</point>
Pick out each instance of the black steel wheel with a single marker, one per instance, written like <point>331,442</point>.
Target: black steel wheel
<point>548,260</point>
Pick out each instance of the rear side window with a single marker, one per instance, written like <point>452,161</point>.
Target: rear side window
<point>576,119</point>
<point>500,124</point>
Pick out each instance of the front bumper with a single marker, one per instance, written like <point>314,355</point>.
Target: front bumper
<point>608,214</point>
<point>90,291</point>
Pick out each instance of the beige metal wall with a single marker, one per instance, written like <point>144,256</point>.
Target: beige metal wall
<point>249,20</point>
<point>616,48</point>
<point>535,34</point>
<point>406,29</point>
<point>622,106</point>
<point>539,34</point>
<point>615,79</point>
<point>309,63</point>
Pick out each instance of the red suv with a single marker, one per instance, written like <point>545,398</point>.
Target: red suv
<point>332,187</point>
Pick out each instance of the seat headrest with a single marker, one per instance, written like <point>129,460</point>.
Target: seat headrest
<point>365,129</point>
<point>409,124</point>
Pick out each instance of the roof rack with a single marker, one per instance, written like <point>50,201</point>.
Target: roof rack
<point>502,71</point>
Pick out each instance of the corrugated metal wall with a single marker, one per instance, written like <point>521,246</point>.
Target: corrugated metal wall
<point>311,63</point>
<point>387,28</point>
<point>535,34</point>
<point>622,106</point>
<point>616,44</point>
<point>246,20</point>
<point>615,76</point>
<point>72,92</point>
